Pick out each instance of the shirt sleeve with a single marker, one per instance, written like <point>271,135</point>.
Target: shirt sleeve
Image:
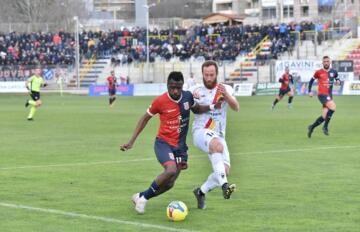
<point>316,75</point>
<point>154,108</point>
<point>191,100</point>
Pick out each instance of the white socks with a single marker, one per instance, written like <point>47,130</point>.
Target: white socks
<point>209,184</point>
<point>218,177</point>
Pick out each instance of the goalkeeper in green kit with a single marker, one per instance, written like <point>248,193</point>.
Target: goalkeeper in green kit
<point>33,84</point>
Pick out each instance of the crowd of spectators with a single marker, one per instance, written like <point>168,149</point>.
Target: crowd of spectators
<point>36,48</point>
<point>218,42</point>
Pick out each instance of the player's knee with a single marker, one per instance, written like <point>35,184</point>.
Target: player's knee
<point>332,106</point>
<point>171,172</point>
<point>216,146</point>
<point>170,184</point>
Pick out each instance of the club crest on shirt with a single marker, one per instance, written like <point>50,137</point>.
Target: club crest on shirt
<point>186,106</point>
<point>331,74</point>
<point>171,155</point>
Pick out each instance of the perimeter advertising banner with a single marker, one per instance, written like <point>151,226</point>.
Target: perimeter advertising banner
<point>302,88</point>
<point>267,88</point>
<point>351,88</point>
<point>13,87</point>
<point>102,90</point>
<point>244,89</point>
<point>302,70</point>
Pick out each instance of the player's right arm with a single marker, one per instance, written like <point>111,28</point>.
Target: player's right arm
<point>281,79</point>
<point>310,93</point>
<point>140,126</point>
<point>151,111</point>
<point>27,83</point>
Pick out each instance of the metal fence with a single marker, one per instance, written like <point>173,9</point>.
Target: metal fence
<point>34,27</point>
<point>159,71</point>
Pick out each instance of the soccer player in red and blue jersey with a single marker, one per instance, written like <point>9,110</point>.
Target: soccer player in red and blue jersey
<point>170,144</point>
<point>326,78</point>
<point>111,81</point>
<point>286,82</point>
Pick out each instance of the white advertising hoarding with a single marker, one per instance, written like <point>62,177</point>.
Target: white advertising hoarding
<point>12,87</point>
<point>304,69</point>
<point>244,89</point>
<point>149,89</point>
<point>351,88</point>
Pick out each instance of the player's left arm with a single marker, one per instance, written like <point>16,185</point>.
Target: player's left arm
<point>228,96</point>
<point>291,79</point>
<point>337,79</point>
<point>44,84</point>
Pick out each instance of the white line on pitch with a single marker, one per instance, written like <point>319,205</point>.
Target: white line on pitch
<point>97,218</point>
<point>295,150</point>
<point>76,164</point>
<point>146,159</point>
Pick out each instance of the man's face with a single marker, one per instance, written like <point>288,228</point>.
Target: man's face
<point>287,71</point>
<point>175,89</point>
<point>209,76</point>
<point>326,63</point>
<point>37,72</point>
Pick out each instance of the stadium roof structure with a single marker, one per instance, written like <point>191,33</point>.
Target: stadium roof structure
<point>229,19</point>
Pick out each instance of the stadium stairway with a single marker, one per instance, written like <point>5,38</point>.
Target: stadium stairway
<point>352,52</point>
<point>91,70</point>
<point>247,70</point>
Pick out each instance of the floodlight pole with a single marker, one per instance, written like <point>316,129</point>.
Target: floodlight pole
<point>77,52</point>
<point>147,7</point>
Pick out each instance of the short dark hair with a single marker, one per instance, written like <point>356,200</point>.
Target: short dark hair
<point>326,57</point>
<point>175,76</point>
<point>209,63</point>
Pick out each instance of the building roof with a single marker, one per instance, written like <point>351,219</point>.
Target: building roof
<point>222,18</point>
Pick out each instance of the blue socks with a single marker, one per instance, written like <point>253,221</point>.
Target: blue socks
<point>150,193</point>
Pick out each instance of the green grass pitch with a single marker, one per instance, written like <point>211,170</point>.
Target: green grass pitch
<point>65,172</point>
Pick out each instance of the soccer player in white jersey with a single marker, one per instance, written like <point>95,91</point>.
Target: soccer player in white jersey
<point>209,131</point>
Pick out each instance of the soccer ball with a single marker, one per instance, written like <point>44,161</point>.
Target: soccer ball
<point>176,211</point>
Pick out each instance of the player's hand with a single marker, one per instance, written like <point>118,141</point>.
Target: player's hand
<point>126,146</point>
<point>219,102</point>
<point>311,94</point>
<point>196,94</point>
<point>221,89</point>
<point>338,82</point>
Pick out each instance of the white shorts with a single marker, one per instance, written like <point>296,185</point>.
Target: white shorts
<point>202,138</point>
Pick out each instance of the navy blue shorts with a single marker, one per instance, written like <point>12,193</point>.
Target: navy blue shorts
<point>324,98</point>
<point>112,91</point>
<point>167,154</point>
<point>282,92</point>
<point>35,95</point>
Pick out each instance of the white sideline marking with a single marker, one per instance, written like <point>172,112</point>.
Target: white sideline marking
<point>97,218</point>
<point>146,159</point>
<point>76,164</point>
